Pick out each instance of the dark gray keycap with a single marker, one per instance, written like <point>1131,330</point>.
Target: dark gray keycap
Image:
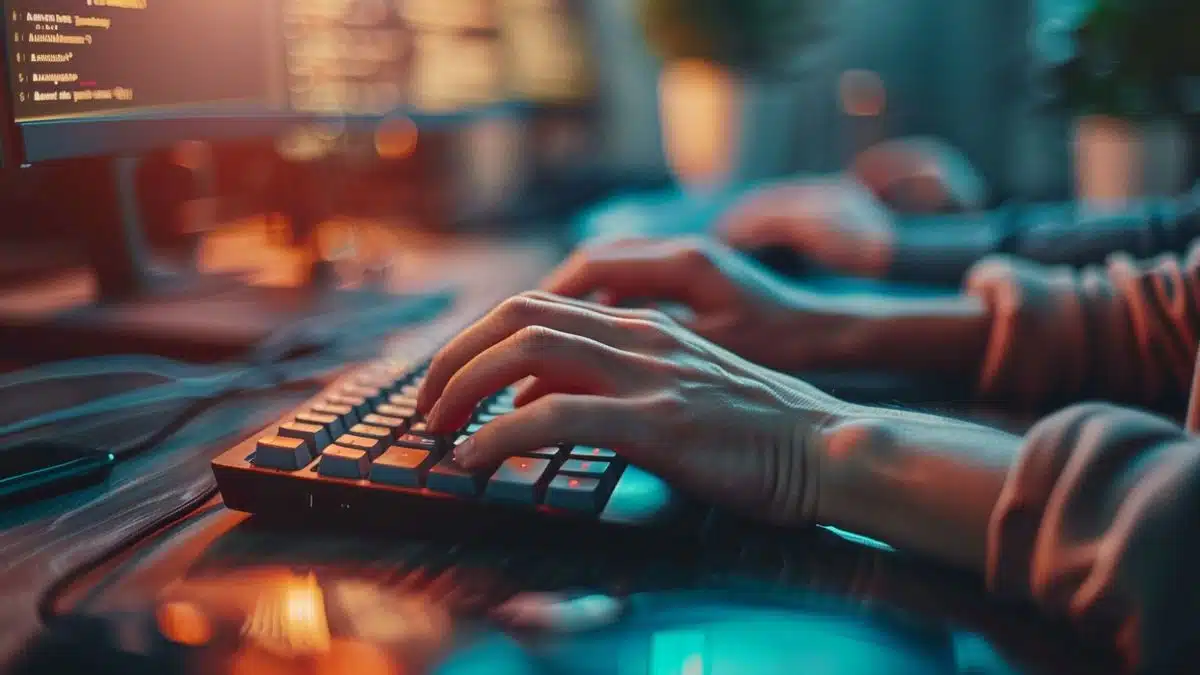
<point>341,411</point>
<point>590,468</point>
<point>575,494</point>
<point>519,479</point>
<point>358,404</point>
<point>316,436</point>
<point>340,462</point>
<point>372,395</point>
<point>449,478</point>
<point>404,412</point>
<point>394,425</point>
<point>372,446</point>
<point>403,401</point>
<point>549,453</point>
<point>371,431</point>
<point>332,423</point>
<point>402,467</point>
<point>419,442</point>
<point>288,454</point>
<point>584,452</point>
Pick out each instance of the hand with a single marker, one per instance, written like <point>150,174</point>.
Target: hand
<point>834,222</point>
<point>732,301</point>
<point>712,424</point>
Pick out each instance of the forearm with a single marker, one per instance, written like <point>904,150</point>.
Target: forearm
<point>920,483</point>
<point>942,337</point>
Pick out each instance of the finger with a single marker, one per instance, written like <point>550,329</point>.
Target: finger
<point>566,360</point>
<point>535,389</point>
<point>501,323</point>
<point>623,313</point>
<point>553,420</point>
<point>660,271</point>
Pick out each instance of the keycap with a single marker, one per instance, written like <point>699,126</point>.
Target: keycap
<point>372,446</point>
<point>419,429</point>
<point>332,423</point>
<point>449,478</point>
<point>549,453</point>
<point>274,452</point>
<point>589,468</point>
<point>339,462</point>
<point>575,494</point>
<point>341,411</point>
<point>500,409</point>
<point>519,479</point>
<point>315,436</point>
<point>584,452</point>
<point>356,403</point>
<point>411,391</point>
<point>485,418</point>
<point>372,395</point>
<point>402,467</point>
<point>427,443</point>
<point>370,431</point>
<point>506,397</point>
<point>390,410</point>
<point>375,378</point>
<point>394,425</point>
<point>473,428</point>
<point>403,401</point>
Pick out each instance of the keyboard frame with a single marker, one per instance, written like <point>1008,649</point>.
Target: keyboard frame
<point>639,501</point>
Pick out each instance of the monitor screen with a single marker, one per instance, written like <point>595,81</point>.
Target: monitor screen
<point>86,57</point>
<point>93,77</point>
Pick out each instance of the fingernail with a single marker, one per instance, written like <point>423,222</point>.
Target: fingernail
<point>464,454</point>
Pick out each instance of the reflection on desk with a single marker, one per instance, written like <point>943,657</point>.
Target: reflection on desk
<point>223,588</point>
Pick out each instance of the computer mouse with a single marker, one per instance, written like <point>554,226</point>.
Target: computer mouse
<point>705,633</point>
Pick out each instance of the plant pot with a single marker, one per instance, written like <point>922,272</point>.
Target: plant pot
<point>1108,162</point>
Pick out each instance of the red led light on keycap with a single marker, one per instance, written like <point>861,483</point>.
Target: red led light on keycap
<point>574,482</point>
<point>584,465</point>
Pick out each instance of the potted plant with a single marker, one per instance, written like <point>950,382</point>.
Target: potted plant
<point>1117,69</point>
<point>721,59</point>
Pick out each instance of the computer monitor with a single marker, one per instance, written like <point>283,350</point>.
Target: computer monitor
<point>101,77</point>
<point>95,83</point>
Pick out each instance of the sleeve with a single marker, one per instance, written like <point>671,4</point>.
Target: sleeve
<point>1067,234</point>
<point>1126,332</point>
<point>1097,522</point>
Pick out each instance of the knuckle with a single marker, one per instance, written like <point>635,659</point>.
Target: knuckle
<point>520,308</point>
<point>646,331</point>
<point>552,409</point>
<point>537,338</point>
<point>694,255</point>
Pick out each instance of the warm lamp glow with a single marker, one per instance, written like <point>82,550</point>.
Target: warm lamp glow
<point>396,138</point>
<point>862,93</point>
<point>698,108</point>
<point>183,623</point>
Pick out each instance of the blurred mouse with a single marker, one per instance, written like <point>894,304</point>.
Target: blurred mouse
<point>705,634</point>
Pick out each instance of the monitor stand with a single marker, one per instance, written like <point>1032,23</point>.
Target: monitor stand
<point>138,308</point>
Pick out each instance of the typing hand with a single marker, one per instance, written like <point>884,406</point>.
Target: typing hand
<point>716,426</point>
<point>835,222</point>
<point>733,301</point>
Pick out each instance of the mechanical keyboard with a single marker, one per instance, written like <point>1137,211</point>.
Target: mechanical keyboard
<point>359,449</point>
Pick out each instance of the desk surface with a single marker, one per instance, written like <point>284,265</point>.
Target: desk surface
<point>39,545</point>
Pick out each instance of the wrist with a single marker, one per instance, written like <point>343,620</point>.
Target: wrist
<point>918,482</point>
